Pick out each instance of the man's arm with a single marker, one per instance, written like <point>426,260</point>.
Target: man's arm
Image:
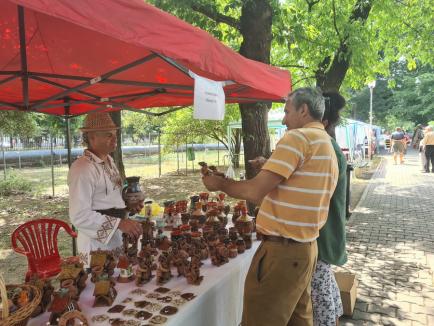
<point>253,190</point>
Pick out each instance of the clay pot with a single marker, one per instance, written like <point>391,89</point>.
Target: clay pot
<point>248,240</point>
<point>185,217</point>
<point>96,273</point>
<point>233,233</point>
<point>69,284</point>
<point>233,251</point>
<point>132,193</point>
<point>241,246</point>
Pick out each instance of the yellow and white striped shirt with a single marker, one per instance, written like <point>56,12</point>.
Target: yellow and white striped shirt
<point>298,207</point>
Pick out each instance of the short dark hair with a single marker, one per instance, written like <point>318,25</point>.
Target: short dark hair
<point>312,97</point>
<point>334,103</point>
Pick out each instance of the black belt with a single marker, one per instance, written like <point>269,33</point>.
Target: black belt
<point>273,238</point>
<point>115,212</point>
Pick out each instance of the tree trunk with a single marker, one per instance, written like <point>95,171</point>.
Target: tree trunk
<point>117,154</point>
<point>331,73</point>
<point>256,140</point>
<point>255,26</point>
<point>237,147</point>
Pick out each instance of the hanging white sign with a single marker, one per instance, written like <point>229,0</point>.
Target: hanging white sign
<point>209,99</point>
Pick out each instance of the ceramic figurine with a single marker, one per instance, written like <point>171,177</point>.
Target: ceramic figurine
<point>69,284</point>
<point>164,273</point>
<point>198,216</point>
<point>72,268</point>
<point>204,200</point>
<point>44,285</point>
<point>233,250</point>
<point>193,272</point>
<point>61,304</point>
<point>180,261</point>
<point>144,268</point>
<point>169,209</point>
<point>130,248</point>
<point>132,193</point>
<point>244,223</point>
<point>237,210</point>
<point>241,245</point>
<point>212,219</point>
<point>193,200</point>
<point>102,261</point>
<point>148,233</point>
<point>125,270</point>
<point>104,292</point>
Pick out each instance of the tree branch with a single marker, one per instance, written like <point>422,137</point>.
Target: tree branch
<point>334,22</point>
<point>290,66</point>
<point>310,4</point>
<point>216,16</point>
<point>304,78</point>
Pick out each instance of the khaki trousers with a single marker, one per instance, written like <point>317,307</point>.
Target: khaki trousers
<point>278,285</point>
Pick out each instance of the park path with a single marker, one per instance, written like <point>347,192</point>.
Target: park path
<point>391,247</point>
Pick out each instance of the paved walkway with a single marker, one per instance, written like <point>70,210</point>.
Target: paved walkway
<point>391,247</point>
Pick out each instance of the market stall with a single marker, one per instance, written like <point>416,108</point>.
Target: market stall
<point>69,58</point>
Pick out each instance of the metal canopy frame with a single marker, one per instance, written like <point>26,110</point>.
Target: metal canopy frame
<point>114,102</point>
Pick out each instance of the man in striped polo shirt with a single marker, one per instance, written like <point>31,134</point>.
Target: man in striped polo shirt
<point>293,189</point>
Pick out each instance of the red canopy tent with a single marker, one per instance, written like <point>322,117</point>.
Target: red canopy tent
<point>67,58</point>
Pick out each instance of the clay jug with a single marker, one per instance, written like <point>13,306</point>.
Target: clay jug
<point>132,193</point>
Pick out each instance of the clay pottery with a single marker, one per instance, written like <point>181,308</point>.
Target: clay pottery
<point>204,199</point>
<point>132,193</point>
<point>212,220</point>
<point>193,201</point>
<point>198,214</point>
<point>69,285</point>
<point>244,223</point>
<point>96,273</point>
<point>241,246</point>
<point>233,250</point>
<point>248,240</point>
<point>233,233</point>
<point>185,217</point>
<point>175,235</point>
<point>223,218</point>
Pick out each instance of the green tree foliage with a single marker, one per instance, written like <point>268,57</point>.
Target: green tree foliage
<point>327,42</point>
<point>138,126</point>
<point>18,124</point>
<point>404,99</point>
<point>180,128</point>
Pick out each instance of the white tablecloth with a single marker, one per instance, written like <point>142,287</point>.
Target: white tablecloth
<point>219,300</point>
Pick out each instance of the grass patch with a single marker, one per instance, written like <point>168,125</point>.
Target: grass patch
<point>14,183</point>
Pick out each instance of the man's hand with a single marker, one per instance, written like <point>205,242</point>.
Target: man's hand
<point>132,228</point>
<point>212,182</point>
<point>258,162</point>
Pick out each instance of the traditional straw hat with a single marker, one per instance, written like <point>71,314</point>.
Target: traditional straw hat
<point>98,121</point>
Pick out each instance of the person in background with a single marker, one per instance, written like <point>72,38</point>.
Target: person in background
<point>96,207</point>
<point>417,136</point>
<point>428,146</point>
<point>326,299</point>
<point>293,189</point>
<point>397,139</point>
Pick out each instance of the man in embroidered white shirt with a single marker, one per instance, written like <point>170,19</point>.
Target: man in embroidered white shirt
<point>96,207</point>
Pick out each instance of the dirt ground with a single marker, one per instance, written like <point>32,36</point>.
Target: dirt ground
<point>15,210</point>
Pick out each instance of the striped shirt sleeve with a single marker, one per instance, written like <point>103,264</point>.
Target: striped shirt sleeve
<point>289,154</point>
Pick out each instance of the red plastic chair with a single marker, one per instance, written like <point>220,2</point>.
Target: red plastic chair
<point>38,242</point>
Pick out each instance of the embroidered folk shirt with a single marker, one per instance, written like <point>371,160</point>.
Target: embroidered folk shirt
<point>94,185</point>
<point>297,208</point>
